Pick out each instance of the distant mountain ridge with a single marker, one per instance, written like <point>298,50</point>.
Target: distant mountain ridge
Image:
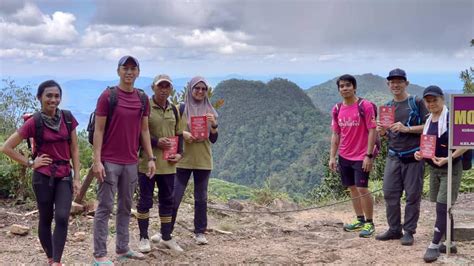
<point>370,86</point>
<point>263,129</point>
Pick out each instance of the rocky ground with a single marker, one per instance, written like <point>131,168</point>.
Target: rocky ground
<point>313,236</point>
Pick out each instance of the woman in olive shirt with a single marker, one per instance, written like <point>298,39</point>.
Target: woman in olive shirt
<point>197,156</point>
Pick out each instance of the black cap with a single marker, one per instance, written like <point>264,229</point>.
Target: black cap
<point>397,73</point>
<point>433,91</point>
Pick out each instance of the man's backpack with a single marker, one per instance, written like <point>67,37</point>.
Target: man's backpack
<point>113,99</point>
<point>39,126</point>
<point>360,108</point>
<point>467,160</point>
<point>414,117</point>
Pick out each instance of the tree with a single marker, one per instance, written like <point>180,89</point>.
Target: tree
<point>467,76</point>
<point>14,102</point>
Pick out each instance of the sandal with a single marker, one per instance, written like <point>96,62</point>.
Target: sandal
<point>98,263</point>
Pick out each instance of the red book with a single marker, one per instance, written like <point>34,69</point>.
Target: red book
<point>199,127</point>
<point>386,115</point>
<point>173,150</point>
<point>428,146</point>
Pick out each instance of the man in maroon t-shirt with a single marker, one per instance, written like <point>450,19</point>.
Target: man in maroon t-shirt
<point>116,159</point>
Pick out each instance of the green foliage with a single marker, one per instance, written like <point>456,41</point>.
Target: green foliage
<point>14,102</point>
<point>265,195</point>
<point>467,181</point>
<point>263,130</point>
<point>85,149</point>
<point>15,179</point>
<point>331,187</point>
<point>224,191</point>
<point>467,77</point>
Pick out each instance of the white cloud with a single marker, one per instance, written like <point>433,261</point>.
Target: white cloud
<point>30,26</point>
<point>28,15</point>
<point>16,54</point>
<point>224,42</point>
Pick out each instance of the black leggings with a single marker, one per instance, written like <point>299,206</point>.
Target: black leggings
<point>441,223</point>
<point>52,201</point>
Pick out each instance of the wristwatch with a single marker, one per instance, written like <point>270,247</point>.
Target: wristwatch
<point>30,163</point>
<point>370,156</point>
<point>215,126</point>
<point>152,159</point>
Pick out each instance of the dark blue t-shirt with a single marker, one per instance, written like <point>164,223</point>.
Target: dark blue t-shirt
<point>441,144</point>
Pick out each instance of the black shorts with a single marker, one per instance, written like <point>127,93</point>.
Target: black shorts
<point>352,173</point>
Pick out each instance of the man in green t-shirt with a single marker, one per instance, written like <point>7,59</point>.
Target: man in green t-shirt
<point>167,143</point>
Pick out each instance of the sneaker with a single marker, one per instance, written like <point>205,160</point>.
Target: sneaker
<point>200,239</point>
<point>431,254</point>
<point>356,225</point>
<point>156,238</point>
<point>171,244</point>
<point>388,235</point>
<point>453,248</point>
<point>367,230</point>
<point>144,245</point>
<point>407,239</point>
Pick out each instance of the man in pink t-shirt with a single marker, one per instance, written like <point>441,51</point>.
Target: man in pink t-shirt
<point>116,158</point>
<point>353,137</point>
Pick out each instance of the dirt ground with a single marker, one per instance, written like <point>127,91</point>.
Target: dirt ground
<point>307,237</point>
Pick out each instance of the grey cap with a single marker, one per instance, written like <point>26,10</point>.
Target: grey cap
<point>126,58</point>
<point>397,73</point>
<point>433,90</point>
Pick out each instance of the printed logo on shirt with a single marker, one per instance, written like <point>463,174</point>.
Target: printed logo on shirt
<point>352,121</point>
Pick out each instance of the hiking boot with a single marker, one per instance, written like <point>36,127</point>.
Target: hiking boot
<point>407,239</point>
<point>156,238</point>
<point>356,225</point>
<point>200,239</point>
<point>431,254</point>
<point>171,244</point>
<point>453,248</point>
<point>367,230</point>
<point>144,245</point>
<point>388,235</point>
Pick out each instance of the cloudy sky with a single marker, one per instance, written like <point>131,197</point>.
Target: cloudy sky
<point>85,39</point>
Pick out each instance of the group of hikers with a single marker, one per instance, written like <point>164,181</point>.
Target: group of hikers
<point>355,138</point>
<point>132,134</point>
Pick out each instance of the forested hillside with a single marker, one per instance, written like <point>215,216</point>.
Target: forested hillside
<point>264,130</point>
<point>372,87</point>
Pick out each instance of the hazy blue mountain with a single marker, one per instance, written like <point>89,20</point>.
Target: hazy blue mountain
<point>370,86</point>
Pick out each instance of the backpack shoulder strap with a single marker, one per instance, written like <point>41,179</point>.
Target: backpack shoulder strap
<point>68,120</point>
<point>38,132</point>
<point>176,114</point>
<point>389,103</point>
<point>181,109</point>
<point>412,103</point>
<point>113,99</point>
<point>360,107</point>
<point>337,108</point>
<point>143,100</point>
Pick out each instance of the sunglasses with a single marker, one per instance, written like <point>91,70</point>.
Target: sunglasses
<point>200,88</point>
